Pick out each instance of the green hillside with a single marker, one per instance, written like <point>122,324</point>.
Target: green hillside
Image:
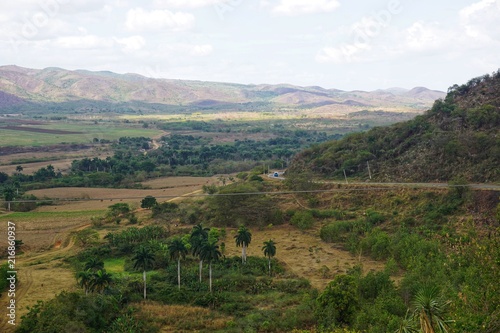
<point>459,137</point>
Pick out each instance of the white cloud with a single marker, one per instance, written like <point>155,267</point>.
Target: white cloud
<point>131,44</point>
<point>480,21</point>
<point>299,7</point>
<point>422,36</point>
<point>139,19</point>
<point>83,42</point>
<point>184,49</point>
<point>188,3</point>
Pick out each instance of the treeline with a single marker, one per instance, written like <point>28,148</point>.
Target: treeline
<point>134,160</point>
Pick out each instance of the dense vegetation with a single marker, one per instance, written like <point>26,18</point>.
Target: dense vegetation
<point>435,243</point>
<point>458,138</point>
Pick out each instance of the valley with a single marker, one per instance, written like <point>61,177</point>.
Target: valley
<point>120,186</point>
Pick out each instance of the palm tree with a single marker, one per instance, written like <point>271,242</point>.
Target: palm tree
<point>143,259</point>
<point>101,280</point>
<point>210,252</point>
<point>84,279</point>
<point>269,250</point>
<point>94,264</point>
<point>430,310</point>
<point>198,237</point>
<point>243,239</point>
<point>177,251</point>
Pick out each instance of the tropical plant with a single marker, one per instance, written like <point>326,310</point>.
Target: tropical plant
<point>243,239</point>
<point>178,250</point>
<point>407,325</point>
<point>94,264</point>
<point>143,259</point>
<point>269,250</point>
<point>430,310</point>
<point>84,279</point>
<point>101,280</point>
<point>210,252</point>
<point>198,237</point>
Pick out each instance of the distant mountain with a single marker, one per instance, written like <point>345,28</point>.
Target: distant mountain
<point>459,137</point>
<point>60,86</point>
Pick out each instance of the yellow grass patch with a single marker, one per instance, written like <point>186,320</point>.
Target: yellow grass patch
<point>179,318</point>
<point>304,253</point>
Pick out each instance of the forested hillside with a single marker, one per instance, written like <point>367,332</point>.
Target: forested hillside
<point>457,138</point>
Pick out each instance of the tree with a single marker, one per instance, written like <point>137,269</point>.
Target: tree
<point>101,280</point>
<point>337,304</point>
<point>269,250</point>
<point>198,237</point>
<point>430,310</point>
<point>243,239</point>
<point>8,194</point>
<point>148,202</point>
<point>3,177</point>
<point>143,259</point>
<point>94,264</point>
<point>177,251</point>
<point>84,279</point>
<point>86,237</point>
<point>210,252</point>
<point>19,169</point>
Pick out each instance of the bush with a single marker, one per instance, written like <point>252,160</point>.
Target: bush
<point>331,213</point>
<point>335,232</point>
<point>374,218</point>
<point>302,220</point>
<point>378,244</point>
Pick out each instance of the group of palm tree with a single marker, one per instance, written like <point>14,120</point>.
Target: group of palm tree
<point>201,242</point>
<point>94,277</point>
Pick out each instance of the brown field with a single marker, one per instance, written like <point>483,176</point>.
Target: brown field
<point>39,130</point>
<point>169,182</point>
<point>60,158</point>
<point>21,121</point>
<point>163,189</point>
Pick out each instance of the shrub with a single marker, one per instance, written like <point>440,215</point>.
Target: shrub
<point>335,232</point>
<point>302,220</point>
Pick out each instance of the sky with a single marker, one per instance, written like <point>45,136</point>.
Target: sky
<point>348,45</point>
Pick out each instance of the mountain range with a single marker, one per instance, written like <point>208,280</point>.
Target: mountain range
<point>21,87</point>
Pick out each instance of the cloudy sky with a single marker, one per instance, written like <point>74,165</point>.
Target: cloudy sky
<point>356,44</point>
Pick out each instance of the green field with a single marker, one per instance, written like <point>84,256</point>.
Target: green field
<point>88,133</point>
<point>114,265</point>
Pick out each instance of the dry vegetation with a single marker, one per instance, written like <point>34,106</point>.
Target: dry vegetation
<point>304,253</point>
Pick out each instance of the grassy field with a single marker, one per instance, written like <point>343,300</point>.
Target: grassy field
<point>115,265</point>
<point>86,133</point>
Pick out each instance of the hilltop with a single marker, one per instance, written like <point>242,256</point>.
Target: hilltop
<point>459,137</point>
<point>22,88</point>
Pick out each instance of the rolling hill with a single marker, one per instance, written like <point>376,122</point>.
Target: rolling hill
<point>72,89</point>
<point>458,138</point>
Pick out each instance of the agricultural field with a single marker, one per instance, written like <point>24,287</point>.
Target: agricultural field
<point>53,133</point>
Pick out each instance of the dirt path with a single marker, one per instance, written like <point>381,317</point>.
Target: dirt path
<point>40,276</point>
